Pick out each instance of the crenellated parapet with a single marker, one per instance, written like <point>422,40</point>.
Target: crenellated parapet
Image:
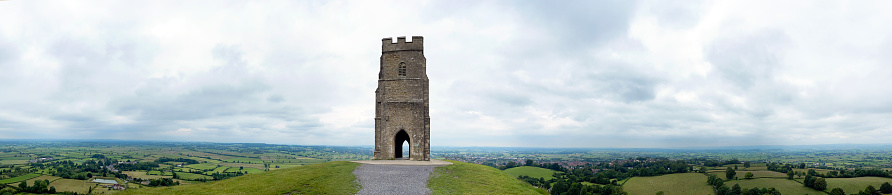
<point>417,44</point>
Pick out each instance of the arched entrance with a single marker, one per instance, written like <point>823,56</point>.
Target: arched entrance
<point>398,140</point>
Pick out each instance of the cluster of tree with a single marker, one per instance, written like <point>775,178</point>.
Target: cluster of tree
<point>602,173</point>
<point>730,173</point>
<point>886,188</point>
<point>818,183</point>
<point>98,156</point>
<point>541,182</point>
<point>575,188</point>
<point>225,175</point>
<point>720,188</point>
<point>783,168</point>
<point>661,167</point>
<point>136,166</point>
<point>39,187</point>
<point>15,172</point>
<point>842,173</point>
<point>836,173</point>
<point>163,182</point>
<point>184,160</point>
<point>606,174</point>
<point>70,170</point>
<point>510,164</point>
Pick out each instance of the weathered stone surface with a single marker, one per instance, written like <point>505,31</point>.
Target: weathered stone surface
<point>402,104</point>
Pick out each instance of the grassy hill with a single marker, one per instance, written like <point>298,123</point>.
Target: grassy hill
<point>337,178</point>
<point>324,178</point>
<point>534,172</point>
<point>468,178</point>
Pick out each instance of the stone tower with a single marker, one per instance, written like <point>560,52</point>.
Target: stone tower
<point>401,107</point>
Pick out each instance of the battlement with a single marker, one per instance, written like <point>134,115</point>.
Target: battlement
<point>417,44</point>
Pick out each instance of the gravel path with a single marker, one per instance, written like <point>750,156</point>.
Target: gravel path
<point>393,179</point>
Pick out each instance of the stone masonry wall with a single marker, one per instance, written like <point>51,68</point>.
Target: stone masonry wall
<point>402,102</point>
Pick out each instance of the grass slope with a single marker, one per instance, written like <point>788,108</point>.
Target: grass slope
<point>785,186</point>
<point>681,183</point>
<point>19,178</point>
<point>534,172</point>
<point>324,178</point>
<point>467,178</point>
<point>853,185</point>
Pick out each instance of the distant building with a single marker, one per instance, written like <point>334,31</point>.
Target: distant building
<point>40,160</point>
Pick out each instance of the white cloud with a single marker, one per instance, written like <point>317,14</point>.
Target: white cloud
<point>577,74</point>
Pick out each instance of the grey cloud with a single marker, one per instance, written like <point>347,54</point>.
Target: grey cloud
<point>579,24</point>
<point>675,14</point>
<point>569,73</point>
<point>748,58</point>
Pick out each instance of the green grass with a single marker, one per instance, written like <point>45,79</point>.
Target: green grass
<point>13,162</point>
<point>821,171</point>
<point>192,176</point>
<point>467,178</point>
<point>252,170</point>
<point>853,185</point>
<point>202,166</point>
<point>143,175</point>
<point>681,183</point>
<point>325,178</point>
<point>534,172</point>
<point>19,178</point>
<point>244,160</point>
<point>217,170</point>
<point>72,185</point>
<point>42,177</point>
<point>783,185</point>
<point>756,174</point>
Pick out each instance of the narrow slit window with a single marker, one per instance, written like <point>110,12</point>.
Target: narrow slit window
<point>402,69</point>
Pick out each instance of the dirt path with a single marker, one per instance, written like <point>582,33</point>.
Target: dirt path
<point>393,179</point>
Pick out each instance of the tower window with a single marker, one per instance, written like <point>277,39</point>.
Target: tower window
<point>402,69</point>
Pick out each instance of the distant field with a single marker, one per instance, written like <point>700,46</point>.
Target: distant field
<point>42,177</point>
<point>783,185</point>
<point>245,165</point>
<point>853,185</point>
<point>534,172</point>
<point>72,185</point>
<point>821,171</point>
<point>19,178</point>
<point>681,183</point>
<point>202,166</point>
<point>756,174</point>
<point>192,176</point>
<point>217,170</point>
<point>13,162</point>
<point>143,175</point>
<point>252,170</point>
<point>245,160</point>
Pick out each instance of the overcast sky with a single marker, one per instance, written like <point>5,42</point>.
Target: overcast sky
<point>502,73</point>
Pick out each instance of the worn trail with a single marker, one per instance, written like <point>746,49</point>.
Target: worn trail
<point>393,179</point>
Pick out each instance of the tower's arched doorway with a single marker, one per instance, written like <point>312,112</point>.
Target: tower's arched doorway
<point>398,140</point>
